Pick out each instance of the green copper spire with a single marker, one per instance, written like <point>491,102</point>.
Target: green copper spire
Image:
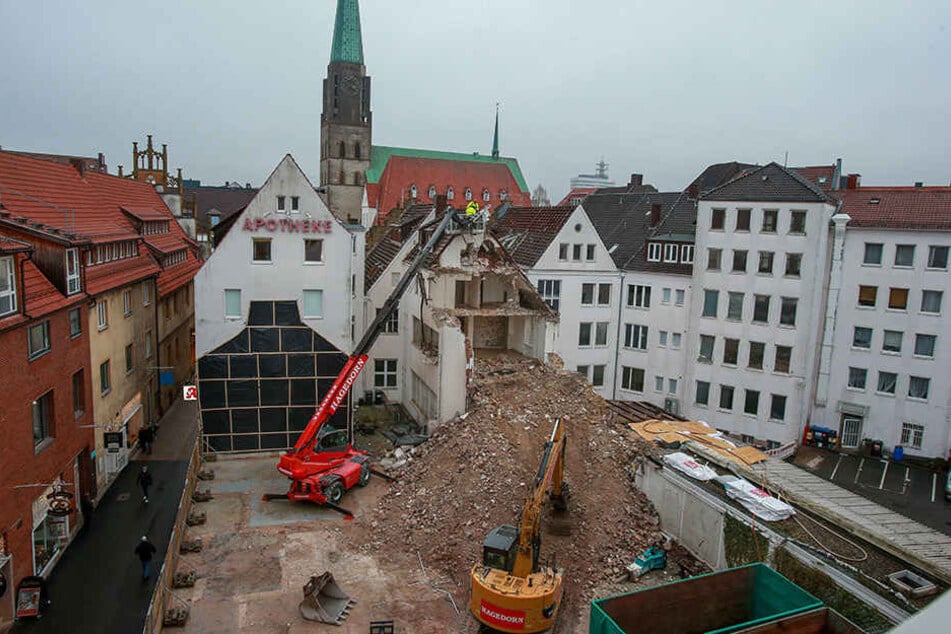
<point>348,44</point>
<point>495,140</point>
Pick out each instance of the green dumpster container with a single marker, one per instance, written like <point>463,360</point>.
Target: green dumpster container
<point>715,603</point>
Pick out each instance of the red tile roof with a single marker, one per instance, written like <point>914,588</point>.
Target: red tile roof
<point>401,172</point>
<point>9,245</point>
<point>575,194</point>
<point>104,277</point>
<point>921,208</point>
<point>42,298</point>
<point>821,175</point>
<point>178,275</point>
<point>144,213</point>
<point>526,232</point>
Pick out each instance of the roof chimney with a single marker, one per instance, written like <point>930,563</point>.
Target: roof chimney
<point>919,184</point>
<point>692,191</point>
<point>79,165</point>
<point>655,214</point>
<point>636,180</point>
<point>852,181</point>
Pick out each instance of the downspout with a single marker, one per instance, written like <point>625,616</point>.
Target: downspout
<point>158,351</point>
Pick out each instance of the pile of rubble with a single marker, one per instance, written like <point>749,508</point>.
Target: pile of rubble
<point>475,473</point>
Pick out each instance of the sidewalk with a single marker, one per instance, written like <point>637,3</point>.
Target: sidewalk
<point>928,549</point>
<point>98,586</point>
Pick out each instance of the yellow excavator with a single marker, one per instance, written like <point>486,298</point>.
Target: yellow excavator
<point>510,591</point>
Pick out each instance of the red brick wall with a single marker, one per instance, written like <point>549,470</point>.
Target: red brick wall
<point>24,381</point>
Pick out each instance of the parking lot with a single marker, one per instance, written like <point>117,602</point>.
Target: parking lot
<point>914,492</point>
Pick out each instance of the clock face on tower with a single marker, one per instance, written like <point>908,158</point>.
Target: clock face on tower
<point>351,84</point>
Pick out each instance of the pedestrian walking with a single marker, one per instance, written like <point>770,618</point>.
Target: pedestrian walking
<point>146,436</point>
<point>145,550</point>
<point>145,481</point>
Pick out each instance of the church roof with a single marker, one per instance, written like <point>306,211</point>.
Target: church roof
<point>381,154</point>
<point>348,43</point>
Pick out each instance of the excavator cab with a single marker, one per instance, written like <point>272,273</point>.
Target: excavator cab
<point>499,548</point>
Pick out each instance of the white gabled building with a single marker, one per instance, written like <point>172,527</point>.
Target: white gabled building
<point>885,372</point>
<point>756,315</point>
<point>276,305</point>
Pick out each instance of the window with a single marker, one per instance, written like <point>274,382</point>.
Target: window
<point>713,259</point>
<point>873,253</point>
<point>635,336</point>
<point>587,294</point>
<point>731,351</point>
<point>739,261</point>
<point>793,264</point>
<point>583,371</point>
<point>918,387</point>
<point>912,435</point>
<point>671,386</point>
<point>38,337</point>
<point>584,333</point>
<point>233,302</point>
<point>665,296</point>
<point>589,253</point>
<point>486,196</point>
<point>313,251</point>
<point>760,309</point>
<point>706,347</point>
<point>770,217</point>
<point>146,293</point>
<point>931,301</point>
<point>450,193</point>
<point>703,393</point>
<point>129,360</point>
<point>892,341</point>
<point>280,199</point>
<point>675,341</point>
<point>604,294</point>
<point>671,253</point>
<point>75,323</point>
<point>313,303</point>
<point>563,252</point>
<point>924,345</point>
<point>127,302</point>
<point>757,352</point>
<point>467,194</point>
<point>726,397</point>
<point>857,378</point>
<point>717,218</point>
<point>679,297</point>
<point>658,384</point>
<point>887,382</point>
<point>797,223</point>
<point>79,393</point>
<point>392,324</point>
<point>777,409</point>
<point>867,295</point>
<point>905,255</point>
<point>102,311</point>
<point>662,338</point>
<point>261,249</point>
<point>686,254</point>
<point>743,219</point>
<point>550,291</point>
<point>783,359</point>
<point>42,418</point>
<point>862,337</point>
<point>8,286</point>
<point>72,271</point>
<point>751,402</point>
<point>765,263</point>
<point>710,300</point>
<point>597,375</point>
<point>576,252</point>
<point>425,337</point>
<point>384,373</point>
<point>632,379</point>
<point>295,200</point>
<point>653,252</point>
<point>898,298</point>
<point>937,257</point>
<point>601,333</point>
<point>638,296</point>
<point>148,344</point>
<point>734,309</point>
<point>787,311</point>
<point>105,380</point>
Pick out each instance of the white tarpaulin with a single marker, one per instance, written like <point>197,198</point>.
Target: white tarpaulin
<point>758,501</point>
<point>685,464</point>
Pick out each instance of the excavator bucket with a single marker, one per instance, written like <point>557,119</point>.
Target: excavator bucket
<point>324,601</point>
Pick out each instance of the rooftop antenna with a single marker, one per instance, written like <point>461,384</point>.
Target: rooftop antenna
<point>602,169</point>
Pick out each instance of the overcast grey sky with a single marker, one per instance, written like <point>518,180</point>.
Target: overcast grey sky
<point>663,87</point>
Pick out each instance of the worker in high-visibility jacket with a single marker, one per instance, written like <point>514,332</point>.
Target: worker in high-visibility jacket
<point>472,209</point>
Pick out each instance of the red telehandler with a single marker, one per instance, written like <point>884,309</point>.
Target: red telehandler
<point>323,464</point>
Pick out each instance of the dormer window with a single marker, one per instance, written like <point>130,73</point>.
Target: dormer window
<point>468,194</point>
<point>413,191</point>
<point>654,251</point>
<point>432,192</point>
<point>670,253</point>
<point>176,258</point>
<point>8,286</point>
<point>152,228</point>
<point>450,193</point>
<point>503,195</point>
<point>486,195</point>
<point>72,271</point>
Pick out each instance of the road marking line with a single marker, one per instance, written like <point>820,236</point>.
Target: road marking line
<point>884,472</point>
<point>934,485</point>
<point>837,463</point>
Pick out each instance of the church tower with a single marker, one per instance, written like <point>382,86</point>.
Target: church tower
<point>346,121</point>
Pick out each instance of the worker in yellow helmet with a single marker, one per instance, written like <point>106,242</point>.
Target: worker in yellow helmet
<point>472,209</point>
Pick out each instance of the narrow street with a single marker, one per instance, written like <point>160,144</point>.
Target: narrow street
<point>98,586</point>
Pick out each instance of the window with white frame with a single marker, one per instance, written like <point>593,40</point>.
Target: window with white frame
<point>671,386</point>
<point>714,257</point>
<point>102,312</point>
<point>665,295</point>
<point>873,253</point>
<point>563,251</point>
<point>468,194</point>
<point>891,342</point>
<point>777,408</point>
<point>635,336</point>
<point>706,348</point>
<point>146,293</point>
<point>576,252</point>
<point>658,384</point>
<point>295,203</point>
<point>604,294</point>
<point>584,333</point>
<point>313,251</point>
<point>686,254</point>
<point>632,379</point>
<point>597,375</point>
<point>260,249</point>
<point>384,373</point>
<point>930,302</point>
<point>662,338</point>
<point>450,194</point>
<point>550,291</point>
<point>75,322</point>
<point>734,308</point>
<point>905,255</point>
<point>601,334</point>
<point>679,295</point>
<point>857,378</point>
<point>392,324</point>
<point>918,387</point>
<point>486,196</point>
<point>8,286</point>
<point>583,371</point>
<point>703,393</point>
<point>105,378</point>
<point>638,296</point>
<point>413,191</point>
<point>862,337</point>
<point>587,294</point>
<point>72,271</point>
<point>912,435</point>
<point>589,253</point>
<point>937,257</point>
<point>654,250</point>
<point>127,302</point>
<point>675,339</point>
<point>671,253</point>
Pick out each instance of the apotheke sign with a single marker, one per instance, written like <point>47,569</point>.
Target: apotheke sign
<point>286,225</point>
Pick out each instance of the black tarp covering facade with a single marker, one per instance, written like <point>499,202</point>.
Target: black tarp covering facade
<point>258,390</point>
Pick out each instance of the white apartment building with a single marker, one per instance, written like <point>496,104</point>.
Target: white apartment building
<point>276,305</point>
<point>889,354</point>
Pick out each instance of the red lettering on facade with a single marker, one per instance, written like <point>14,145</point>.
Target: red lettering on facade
<point>286,225</point>
<point>271,225</point>
<point>247,225</point>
